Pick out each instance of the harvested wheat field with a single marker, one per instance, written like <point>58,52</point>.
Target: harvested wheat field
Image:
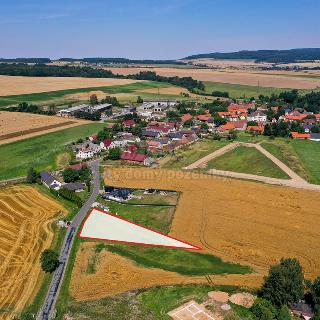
<point>11,85</point>
<point>16,126</point>
<point>238,221</point>
<point>25,218</point>
<point>115,274</point>
<point>244,77</point>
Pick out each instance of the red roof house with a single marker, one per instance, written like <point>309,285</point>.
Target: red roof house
<point>186,117</point>
<point>297,135</point>
<point>226,127</point>
<point>128,123</point>
<point>258,129</point>
<point>137,157</point>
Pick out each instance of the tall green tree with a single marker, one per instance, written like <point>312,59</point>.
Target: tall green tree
<point>32,176</point>
<point>284,283</point>
<point>49,261</point>
<point>93,100</point>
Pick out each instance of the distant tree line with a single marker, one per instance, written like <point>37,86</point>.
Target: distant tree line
<point>43,70</point>
<point>272,56</point>
<point>186,82</point>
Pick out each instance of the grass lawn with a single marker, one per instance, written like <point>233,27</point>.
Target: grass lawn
<point>247,160</point>
<point>243,91</point>
<point>309,154</point>
<point>302,156</point>
<point>189,154</point>
<point>157,218</point>
<point>176,260</point>
<point>40,152</point>
<point>150,304</point>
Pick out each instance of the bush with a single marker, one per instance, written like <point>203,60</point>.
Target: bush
<point>49,260</point>
<point>71,196</point>
<point>32,176</point>
<point>114,154</point>
<point>263,309</point>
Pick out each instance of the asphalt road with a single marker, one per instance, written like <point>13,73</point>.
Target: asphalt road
<point>48,309</point>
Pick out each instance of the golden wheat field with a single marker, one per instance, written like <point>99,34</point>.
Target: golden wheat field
<point>15,85</point>
<point>16,126</point>
<point>238,221</point>
<point>25,219</point>
<point>243,77</point>
<point>115,274</point>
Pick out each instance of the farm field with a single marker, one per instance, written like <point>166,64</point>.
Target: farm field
<point>16,126</point>
<point>40,152</point>
<point>124,92</point>
<point>114,274</point>
<point>275,213</point>
<point>247,160</point>
<point>189,154</point>
<point>26,215</point>
<point>14,85</point>
<point>244,77</point>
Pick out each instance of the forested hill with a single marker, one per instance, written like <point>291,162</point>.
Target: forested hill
<point>273,56</point>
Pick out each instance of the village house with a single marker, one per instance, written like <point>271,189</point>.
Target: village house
<point>128,123</point>
<point>257,116</point>
<point>257,129</point>
<point>74,186</point>
<point>315,136</point>
<point>297,135</point>
<point>88,150</point>
<point>49,181</point>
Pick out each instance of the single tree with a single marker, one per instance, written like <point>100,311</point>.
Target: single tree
<point>263,309</point>
<point>32,176</point>
<point>94,100</point>
<point>114,154</point>
<point>284,313</point>
<point>49,260</point>
<point>284,283</point>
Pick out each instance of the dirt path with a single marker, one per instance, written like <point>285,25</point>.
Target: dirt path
<point>295,180</point>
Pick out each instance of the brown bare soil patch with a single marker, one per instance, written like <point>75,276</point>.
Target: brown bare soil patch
<point>17,125</point>
<point>10,85</point>
<point>115,274</point>
<point>244,77</point>
<point>244,299</point>
<point>25,218</point>
<point>86,95</point>
<point>244,222</point>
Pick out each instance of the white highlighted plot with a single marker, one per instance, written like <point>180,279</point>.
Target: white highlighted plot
<point>105,226</point>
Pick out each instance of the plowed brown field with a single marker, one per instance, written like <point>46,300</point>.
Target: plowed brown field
<point>25,218</point>
<point>244,222</point>
<point>16,126</point>
<point>115,274</point>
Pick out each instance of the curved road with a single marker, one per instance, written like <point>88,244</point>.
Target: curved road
<point>48,309</point>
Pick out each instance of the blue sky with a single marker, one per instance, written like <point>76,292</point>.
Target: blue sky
<point>159,29</point>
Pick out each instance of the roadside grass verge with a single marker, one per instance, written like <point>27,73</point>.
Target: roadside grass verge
<point>40,152</point>
<point>247,160</point>
<point>191,153</point>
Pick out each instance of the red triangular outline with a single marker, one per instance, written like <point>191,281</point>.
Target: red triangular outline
<point>131,242</point>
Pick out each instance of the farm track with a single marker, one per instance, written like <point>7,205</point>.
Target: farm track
<point>29,131</point>
<point>295,180</point>
<point>25,217</point>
